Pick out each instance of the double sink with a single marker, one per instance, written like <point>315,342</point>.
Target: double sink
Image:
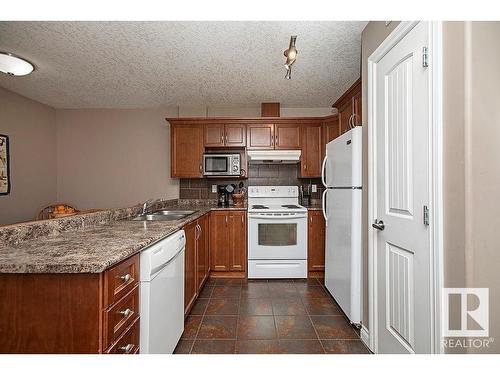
<point>164,215</point>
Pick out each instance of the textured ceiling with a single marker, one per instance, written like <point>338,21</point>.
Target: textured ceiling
<point>146,64</point>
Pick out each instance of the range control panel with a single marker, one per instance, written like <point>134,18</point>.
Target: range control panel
<point>273,191</point>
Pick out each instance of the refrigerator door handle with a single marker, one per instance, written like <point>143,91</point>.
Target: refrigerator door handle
<point>323,206</point>
<point>323,176</point>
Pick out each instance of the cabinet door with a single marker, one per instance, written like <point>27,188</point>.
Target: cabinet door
<point>287,136</point>
<point>331,130</point>
<point>235,135</point>
<point>237,241</point>
<point>345,113</point>
<point>202,254</point>
<point>219,241</point>
<point>356,108</point>
<point>260,136</point>
<point>190,287</point>
<point>310,160</point>
<point>316,242</point>
<point>214,135</point>
<point>187,151</point>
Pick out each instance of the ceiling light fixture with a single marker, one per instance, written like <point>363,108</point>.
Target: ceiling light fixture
<point>291,56</point>
<point>14,66</point>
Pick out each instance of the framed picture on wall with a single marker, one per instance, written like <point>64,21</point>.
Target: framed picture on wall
<point>4,165</point>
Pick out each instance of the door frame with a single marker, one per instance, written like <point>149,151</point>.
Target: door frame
<point>435,177</point>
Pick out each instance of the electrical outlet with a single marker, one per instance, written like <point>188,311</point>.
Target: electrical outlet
<point>214,188</point>
<point>314,188</point>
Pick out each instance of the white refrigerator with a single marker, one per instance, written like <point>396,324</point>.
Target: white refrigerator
<point>342,177</point>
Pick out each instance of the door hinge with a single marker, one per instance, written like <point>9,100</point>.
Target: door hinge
<point>425,57</point>
<point>426,215</point>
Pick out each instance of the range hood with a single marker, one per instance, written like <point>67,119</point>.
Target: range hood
<point>274,157</point>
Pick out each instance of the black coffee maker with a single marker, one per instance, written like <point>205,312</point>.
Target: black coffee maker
<point>222,198</point>
<point>225,197</point>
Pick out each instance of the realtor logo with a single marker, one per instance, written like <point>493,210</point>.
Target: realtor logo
<point>466,312</point>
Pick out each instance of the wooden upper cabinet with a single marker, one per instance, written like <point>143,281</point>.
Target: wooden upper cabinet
<point>219,249</point>
<point>235,135</point>
<point>225,135</point>
<point>356,108</point>
<point>187,150</point>
<point>237,241</point>
<point>349,107</point>
<point>345,116</point>
<point>316,241</point>
<point>214,135</point>
<point>260,136</point>
<point>331,129</point>
<point>287,136</point>
<point>312,151</point>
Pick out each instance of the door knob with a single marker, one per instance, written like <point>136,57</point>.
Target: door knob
<point>378,224</point>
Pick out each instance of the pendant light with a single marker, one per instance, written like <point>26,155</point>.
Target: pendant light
<point>291,56</point>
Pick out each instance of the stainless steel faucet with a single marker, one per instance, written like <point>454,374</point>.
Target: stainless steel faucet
<point>148,204</point>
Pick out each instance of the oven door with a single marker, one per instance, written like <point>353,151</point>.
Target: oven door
<point>277,236</point>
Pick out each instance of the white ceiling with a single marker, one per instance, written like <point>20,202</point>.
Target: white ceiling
<point>147,64</point>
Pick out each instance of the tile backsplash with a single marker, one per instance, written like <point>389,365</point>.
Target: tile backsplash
<point>258,175</point>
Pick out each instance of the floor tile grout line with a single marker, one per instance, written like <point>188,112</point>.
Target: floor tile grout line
<point>237,322</point>
<point>315,331</point>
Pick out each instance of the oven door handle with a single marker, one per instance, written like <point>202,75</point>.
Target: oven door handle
<point>277,217</point>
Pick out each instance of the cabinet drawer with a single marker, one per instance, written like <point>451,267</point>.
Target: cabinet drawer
<point>128,343</point>
<point>120,279</point>
<point>119,316</point>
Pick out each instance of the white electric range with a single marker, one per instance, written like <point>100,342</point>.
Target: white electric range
<point>277,233</point>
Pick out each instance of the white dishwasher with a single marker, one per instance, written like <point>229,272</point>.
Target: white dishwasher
<point>162,295</point>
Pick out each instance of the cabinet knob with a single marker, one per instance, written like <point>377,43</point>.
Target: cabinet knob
<point>125,278</point>
<point>127,348</point>
<point>127,312</point>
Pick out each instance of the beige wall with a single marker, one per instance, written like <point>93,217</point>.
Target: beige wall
<point>113,158</point>
<point>373,35</point>
<point>482,164</point>
<point>32,135</point>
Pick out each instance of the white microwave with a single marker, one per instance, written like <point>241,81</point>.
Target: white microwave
<point>221,164</point>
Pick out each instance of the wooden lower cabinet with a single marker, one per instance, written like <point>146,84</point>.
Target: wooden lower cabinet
<point>71,313</point>
<point>190,287</point>
<point>228,240</point>
<point>203,254</point>
<point>196,259</point>
<point>237,241</point>
<point>316,242</point>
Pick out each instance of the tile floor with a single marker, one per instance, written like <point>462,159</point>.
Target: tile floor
<point>268,317</point>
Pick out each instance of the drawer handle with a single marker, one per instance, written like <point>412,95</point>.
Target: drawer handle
<point>127,348</point>
<point>126,278</point>
<point>127,312</point>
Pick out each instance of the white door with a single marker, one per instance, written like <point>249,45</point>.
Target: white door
<point>401,179</point>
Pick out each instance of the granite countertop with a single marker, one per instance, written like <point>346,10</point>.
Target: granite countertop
<point>92,250</point>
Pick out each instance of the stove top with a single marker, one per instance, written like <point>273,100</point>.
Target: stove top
<point>277,208</point>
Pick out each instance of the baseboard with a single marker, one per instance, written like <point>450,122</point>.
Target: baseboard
<point>365,336</point>
<point>228,275</point>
